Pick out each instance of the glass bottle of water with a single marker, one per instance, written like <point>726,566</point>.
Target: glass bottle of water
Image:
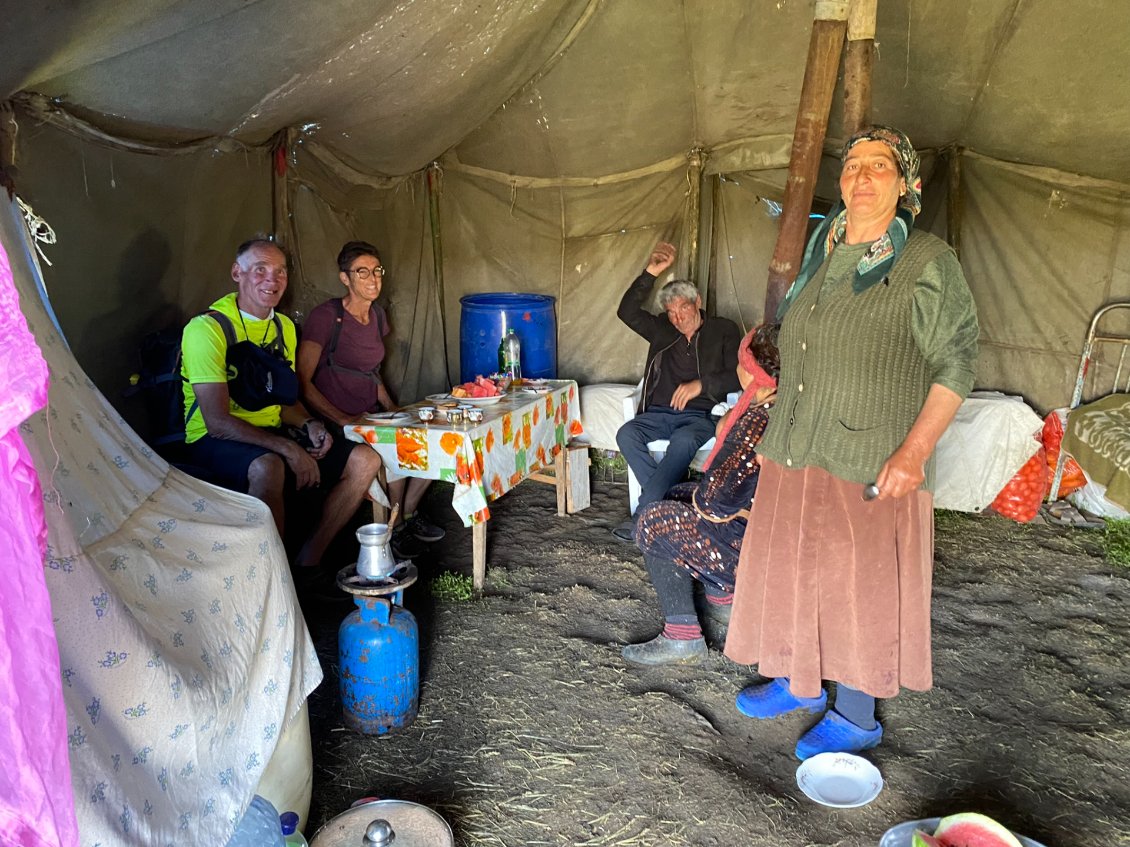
<point>510,355</point>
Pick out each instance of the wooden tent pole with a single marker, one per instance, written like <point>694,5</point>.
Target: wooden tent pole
<point>280,198</point>
<point>858,62</point>
<point>824,49</point>
<point>433,180</point>
<point>695,159</point>
<point>954,206</point>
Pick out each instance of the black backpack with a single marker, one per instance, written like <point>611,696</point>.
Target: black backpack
<point>257,377</point>
<point>158,382</point>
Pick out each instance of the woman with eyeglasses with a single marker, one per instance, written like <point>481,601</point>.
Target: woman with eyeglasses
<point>339,369</point>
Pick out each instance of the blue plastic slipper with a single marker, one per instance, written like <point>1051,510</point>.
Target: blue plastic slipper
<point>836,734</point>
<point>771,699</point>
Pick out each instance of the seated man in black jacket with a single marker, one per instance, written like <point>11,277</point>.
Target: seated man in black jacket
<point>691,366</point>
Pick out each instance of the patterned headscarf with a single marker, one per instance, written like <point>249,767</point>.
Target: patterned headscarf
<point>760,379</point>
<point>877,262</point>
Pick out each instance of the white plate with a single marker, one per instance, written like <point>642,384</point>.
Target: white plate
<point>902,834</point>
<point>480,401</point>
<point>840,780</point>
<point>388,418</point>
<point>535,390</point>
<point>440,398</point>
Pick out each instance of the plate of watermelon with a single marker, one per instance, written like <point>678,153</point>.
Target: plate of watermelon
<point>481,392</point>
<point>965,830</point>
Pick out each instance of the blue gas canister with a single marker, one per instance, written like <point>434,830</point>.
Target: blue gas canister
<point>379,654</point>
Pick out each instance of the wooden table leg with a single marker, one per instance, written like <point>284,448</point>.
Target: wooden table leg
<point>479,555</point>
<point>560,481</point>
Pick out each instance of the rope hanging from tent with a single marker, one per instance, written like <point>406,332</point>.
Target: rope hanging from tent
<point>39,229</point>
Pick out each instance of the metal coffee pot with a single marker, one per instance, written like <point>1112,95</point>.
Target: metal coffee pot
<point>374,559</point>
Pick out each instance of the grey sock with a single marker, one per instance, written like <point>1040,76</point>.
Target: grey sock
<point>857,707</point>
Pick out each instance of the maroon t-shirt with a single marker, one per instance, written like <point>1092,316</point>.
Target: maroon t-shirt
<point>360,347</point>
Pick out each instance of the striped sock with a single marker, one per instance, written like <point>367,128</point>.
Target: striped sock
<point>719,599</point>
<point>682,631</point>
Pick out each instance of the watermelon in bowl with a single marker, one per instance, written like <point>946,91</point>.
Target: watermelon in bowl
<point>480,389</point>
<point>964,830</point>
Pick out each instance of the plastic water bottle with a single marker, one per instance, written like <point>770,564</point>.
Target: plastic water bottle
<point>291,835</point>
<point>259,826</point>
<point>510,355</point>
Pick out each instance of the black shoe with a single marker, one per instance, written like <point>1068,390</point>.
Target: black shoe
<point>424,529</point>
<point>405,546</point>
<point>625,532</point>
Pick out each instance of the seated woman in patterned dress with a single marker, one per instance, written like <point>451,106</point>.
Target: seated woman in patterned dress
<point>696,531</point>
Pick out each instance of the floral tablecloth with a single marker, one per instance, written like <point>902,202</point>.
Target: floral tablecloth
<point>517,436</point>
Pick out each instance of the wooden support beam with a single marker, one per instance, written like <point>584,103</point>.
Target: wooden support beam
<point>954,206</point>
<point>859,60</point>
<point>824,50</point>
<point>478,556</point>
<point>695,160</point>
<point>280,194</point>
<point>434,190</point>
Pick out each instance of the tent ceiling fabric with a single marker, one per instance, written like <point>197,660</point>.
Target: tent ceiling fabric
<point>390,86</point>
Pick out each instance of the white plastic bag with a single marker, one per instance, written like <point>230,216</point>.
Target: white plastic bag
<point>1092,498</point>
<point>990,439</point>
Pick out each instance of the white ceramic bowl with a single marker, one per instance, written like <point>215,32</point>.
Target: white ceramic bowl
<point>839,780</point>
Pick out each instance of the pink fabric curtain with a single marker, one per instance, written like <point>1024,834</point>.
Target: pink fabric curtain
<point>36,800</point>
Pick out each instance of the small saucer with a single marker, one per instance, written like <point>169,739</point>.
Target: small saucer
<point>839,780</point>
<point>388,418</point>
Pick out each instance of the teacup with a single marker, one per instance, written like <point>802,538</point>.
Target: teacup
<point>426,413</point>
<point>455,417</point>
<point>474,415</point>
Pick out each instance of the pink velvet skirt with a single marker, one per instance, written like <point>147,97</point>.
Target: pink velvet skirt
<point>832,587</point>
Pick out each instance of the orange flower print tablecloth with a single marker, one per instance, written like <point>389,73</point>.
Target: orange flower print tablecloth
<point>518,435</point>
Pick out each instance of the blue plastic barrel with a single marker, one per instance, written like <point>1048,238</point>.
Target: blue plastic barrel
<point>487,317</point>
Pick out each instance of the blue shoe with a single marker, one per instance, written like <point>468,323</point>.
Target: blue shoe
<point>836,734</point>
<point>772,699</point>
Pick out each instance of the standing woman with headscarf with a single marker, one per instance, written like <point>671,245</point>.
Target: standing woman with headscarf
<point>878,346</point>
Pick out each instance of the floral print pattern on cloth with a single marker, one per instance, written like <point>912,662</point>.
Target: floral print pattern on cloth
<point>183,652</point>
<point>517,436</point>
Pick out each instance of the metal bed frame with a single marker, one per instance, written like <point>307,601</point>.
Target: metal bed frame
<point>1095,337</point>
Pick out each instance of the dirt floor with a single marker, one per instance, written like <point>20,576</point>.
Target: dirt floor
<point>533,731</point>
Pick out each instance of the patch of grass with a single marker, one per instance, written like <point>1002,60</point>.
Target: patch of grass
<point>451,587</point>
<point>1116,542</point>
<point>946,520</point>
<point>605,460</point>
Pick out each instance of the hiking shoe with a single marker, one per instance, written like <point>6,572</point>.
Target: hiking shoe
<point>405,546</point>
<point>662,650</point>
<point>625,532</point>
<point>424,530</point>
<point>773,699</point>
<point>836,734</point>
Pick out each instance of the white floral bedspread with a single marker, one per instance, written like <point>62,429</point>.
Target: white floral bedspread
<point>182,648</point>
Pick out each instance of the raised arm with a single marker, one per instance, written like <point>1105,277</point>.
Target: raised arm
<point>631,310</point>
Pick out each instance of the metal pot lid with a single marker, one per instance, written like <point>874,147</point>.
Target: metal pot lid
<point>405,824</point>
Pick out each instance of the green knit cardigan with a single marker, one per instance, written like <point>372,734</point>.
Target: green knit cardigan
<point>856,368</point>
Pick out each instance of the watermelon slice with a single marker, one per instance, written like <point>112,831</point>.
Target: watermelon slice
<point>972,830</point>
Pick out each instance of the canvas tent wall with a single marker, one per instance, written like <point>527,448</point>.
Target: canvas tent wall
<point>563,131</point>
